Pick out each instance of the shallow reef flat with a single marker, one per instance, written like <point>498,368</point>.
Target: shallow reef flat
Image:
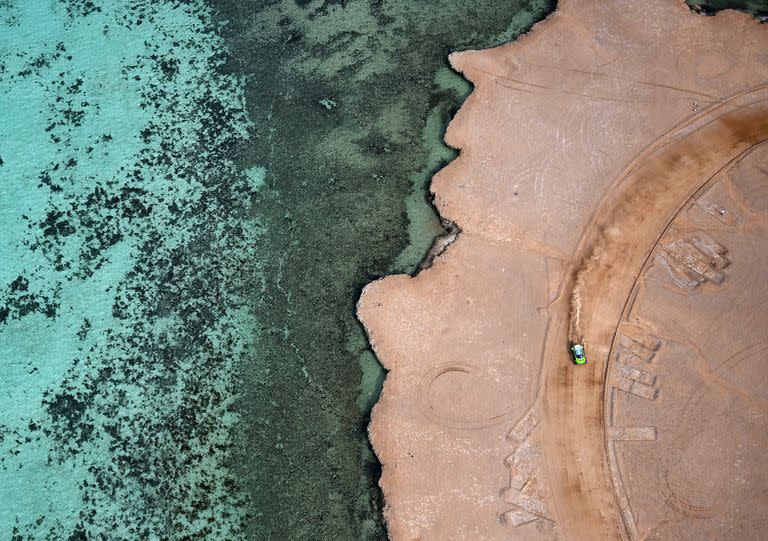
<point>356,95</point>
<point>129,261</point>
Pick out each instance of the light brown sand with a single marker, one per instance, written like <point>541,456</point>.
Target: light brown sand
<point>607,157</point>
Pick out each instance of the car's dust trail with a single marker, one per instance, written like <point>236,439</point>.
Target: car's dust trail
<point>592,261</point>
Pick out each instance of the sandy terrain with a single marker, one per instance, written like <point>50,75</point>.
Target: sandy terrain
<point>611,186</point>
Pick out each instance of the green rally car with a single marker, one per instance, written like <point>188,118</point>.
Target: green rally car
<point>578,354</point>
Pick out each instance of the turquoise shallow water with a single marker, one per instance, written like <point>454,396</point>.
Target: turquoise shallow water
<point>192,194</point>
<point>121,315</point>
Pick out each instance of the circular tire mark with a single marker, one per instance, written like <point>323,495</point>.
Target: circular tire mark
<point>432,410</point>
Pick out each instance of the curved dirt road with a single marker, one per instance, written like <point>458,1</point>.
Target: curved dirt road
<point>610,256</point>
